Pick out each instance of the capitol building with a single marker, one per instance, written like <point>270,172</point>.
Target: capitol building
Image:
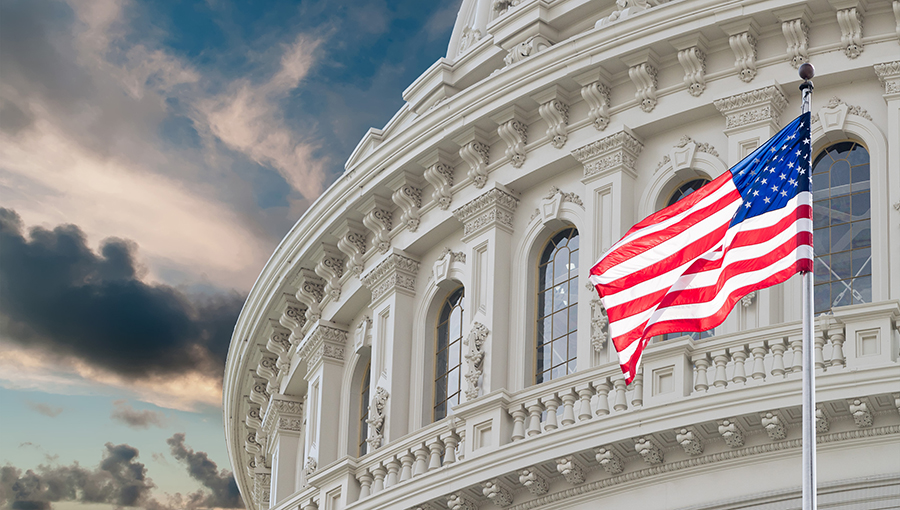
<point>425,336</point>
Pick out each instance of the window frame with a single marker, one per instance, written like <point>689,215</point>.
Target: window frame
<point>434,374</point>
<point>537,317</point>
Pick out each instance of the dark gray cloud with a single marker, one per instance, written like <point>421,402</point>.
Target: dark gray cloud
<point>45,409</point>
<point>119,480</point>
<point>61,297</point>
<point>223,489</point>
<point>127,415</point>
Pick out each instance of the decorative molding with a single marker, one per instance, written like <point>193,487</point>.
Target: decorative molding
<point>689,439</point>
<point>475,358</point>
<point>440,176</point>
<point>497,492</point>
<point>609,460</point>
<point>493,208</point>
<point>470,36</point>
<point>822,423</point>
<point>596,95</point>
<point>352,243</point>
<point>534,481</point>
<point>701,146</point>
<point>475,154</point>
<point>379,220</point>
<point>515,134</point>
<point>648,450</point>
<point>851,22</point>
<point>283,415</point>
<point>525,49</point>
<point>627,8</point>
<point>571,469</point>
<point>394,273</point>
<point>836,102</point>
<point>616,151</point>
<point>262,486</point>
<point>564,196</point>
<point>895,5</point>
<point>556,114</point>
<point>889,74</point>
<point>331,268</point>
<point>377,415</point>
<point>311,292</point>
<point>860,409</point>
<point>773,422</point>
<point>758,106</point>
<point>731,432</point>
<point>599,322</point>
<point>501,7</point>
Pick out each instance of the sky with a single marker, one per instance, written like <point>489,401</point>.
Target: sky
<point>152,155</point>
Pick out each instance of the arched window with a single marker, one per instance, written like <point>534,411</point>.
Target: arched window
<point>557,302</point>
<point>448,354</point>
<point>364,410</point>
<point>842,232</point>
<point>679,193</point>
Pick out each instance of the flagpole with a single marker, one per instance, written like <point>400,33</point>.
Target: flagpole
<point>807,71</point>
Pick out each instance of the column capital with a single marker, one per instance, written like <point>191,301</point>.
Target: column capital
<point>752,109</point>
<point>616,152</point>
<point>285,414</point>
<point>493,208</point>
<point>396,273</point>
<point>327,340</point>
<point>889,75</point>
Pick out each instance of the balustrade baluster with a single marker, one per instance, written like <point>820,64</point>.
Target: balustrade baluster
<point>406,462</point>
<point>620,404</point>
<point>602,390</point>
<point>461,454</point>
<point>701,380</point>
<point>759,360</point>
<point>436,449</point>
<point>637,399</point>
<point>569,408</point>
<point>551,403</point>
<point>778,347</point>
<point>837,347</point>
<point>739,356</point>
<point>796,354</point>
<point>379,473</point>
<point>819,344</point>
<point>365,484</point>
<point>519,414</point>
<point>534,419</point>
<point>421,456</point>
<point>720,379</point>
<point>450,443</point>
<point>393,473</point>
<point>584,411</point>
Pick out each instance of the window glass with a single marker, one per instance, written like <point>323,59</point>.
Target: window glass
<point>842,238</point>
<point>557,307</point>
<point>448,354</point>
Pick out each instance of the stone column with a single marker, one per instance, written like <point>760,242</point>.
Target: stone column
<point>751,118</point>
<point>609,200</point>
<point>393,286</point>
<point>487,231</point>
<point>283,425</point>
<point>889,74</point>
<point>323,354</point>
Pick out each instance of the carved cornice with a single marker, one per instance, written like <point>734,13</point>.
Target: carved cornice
<point>753,108</point>
<point>494,208</point>
<point>618,151</point>
<point>395,273</point>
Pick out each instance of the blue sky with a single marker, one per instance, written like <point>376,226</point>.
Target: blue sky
<point>152,154</point>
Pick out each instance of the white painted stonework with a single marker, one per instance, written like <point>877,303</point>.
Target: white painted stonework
<point>549,114</point>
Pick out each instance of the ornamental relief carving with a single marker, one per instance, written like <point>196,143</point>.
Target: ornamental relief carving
<point>395,273</point>
<point>377,415</point>
<point>475,358</point>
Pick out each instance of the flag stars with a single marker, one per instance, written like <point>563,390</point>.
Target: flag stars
<point>793,182</point>
<point>806,141</point>
<point>765,181</point>
<point>747,205</point>
<point>783,193</point>
<point>798,152</point>
<point>773,149</point>
<point>791,164</point>
<point>774,188</point>
<point>766,200</point>
<point>755,193</point>
<point>783,176</point>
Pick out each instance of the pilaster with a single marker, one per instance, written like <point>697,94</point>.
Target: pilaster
<point>487,231</point>
<point>323,353</point>
<point>283,425</point>
<point>889,75</point>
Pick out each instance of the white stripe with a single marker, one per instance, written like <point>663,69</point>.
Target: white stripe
<point>725,189</point>
<point>625,354</point>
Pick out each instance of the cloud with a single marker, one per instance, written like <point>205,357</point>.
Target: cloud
<point>62,297</point>
<point>45,409</point>
<point>119,480</point>
<point>223,488</point>
<point>125,414</point>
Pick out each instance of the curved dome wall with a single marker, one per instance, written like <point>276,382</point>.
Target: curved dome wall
<point>551,128</point>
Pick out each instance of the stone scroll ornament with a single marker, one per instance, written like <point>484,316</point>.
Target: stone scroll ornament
<point>475,357</point>
<point>377,414</point>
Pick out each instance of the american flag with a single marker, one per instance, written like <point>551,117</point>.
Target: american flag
<point>684,267</point>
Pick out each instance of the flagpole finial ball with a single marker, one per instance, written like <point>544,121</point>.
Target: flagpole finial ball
<point>807,71</point>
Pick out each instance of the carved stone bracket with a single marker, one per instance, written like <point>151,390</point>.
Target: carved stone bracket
<point>648,450</point>
<point>742,39</point>
<point>395,273</point>
<point>571,469</point>
<point>773,422</point>
<point>795,27</point>
<point>352,243</point>
<point>599,322</point>
<point>822,421</point>
<point>494,208</point>
<point>377,415</point>
<point>253,419</point>
<point>731,432</point>
<point>379,220</point>
<point>750,109</point>
<point>259,393</point>
<point>363,335</point>
<point>643,75</point>
<point>461,501</point>
<point>514,133</point>
<point>268,369</point>
<point>850,19</point>
<point>596,95</point>
<point>408,197</point>
<point>293,317</point>
<point>440,176</point>
<point>497,492</point>
<point>616,151</point>
<point>473,149</point>
<point>310,292</point>
<point>609,460</point>
<point>331,268</point>
<point>689,439</point>
<point>889,75</point>
<point>279,344</point>
<point>534,481</point>
<point>692,51</point>
<point>554,109</point>
<point>475,358</point>
<point>861,410</point>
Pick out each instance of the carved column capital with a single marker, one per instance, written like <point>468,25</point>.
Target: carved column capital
<point>493,209</point>
<point>327,341</point>
<point>752,109</point>
<point>616,152</point>
<point>396,273</point>
<point>889,76</point>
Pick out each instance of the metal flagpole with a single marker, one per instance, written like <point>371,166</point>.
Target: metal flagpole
<point>809,375</point>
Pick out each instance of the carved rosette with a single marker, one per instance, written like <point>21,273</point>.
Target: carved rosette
<point>851,23</point>
<point>597,97</point>
<point>311,291</point>
<point>556,114</point>
<point>534,481</point>
<point>475,154</point>
<point>693,60</point>
<point>752,108</point>
<point>395,273</point>
<point>475,358</point>
<point>494,208</point>
<point>616,151</point>
<point>796,33</point>
<point>744,47</point>
<point>409,199</point>
<point>377,415</point>
<point>515,134</point>
<point>440,176</point>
